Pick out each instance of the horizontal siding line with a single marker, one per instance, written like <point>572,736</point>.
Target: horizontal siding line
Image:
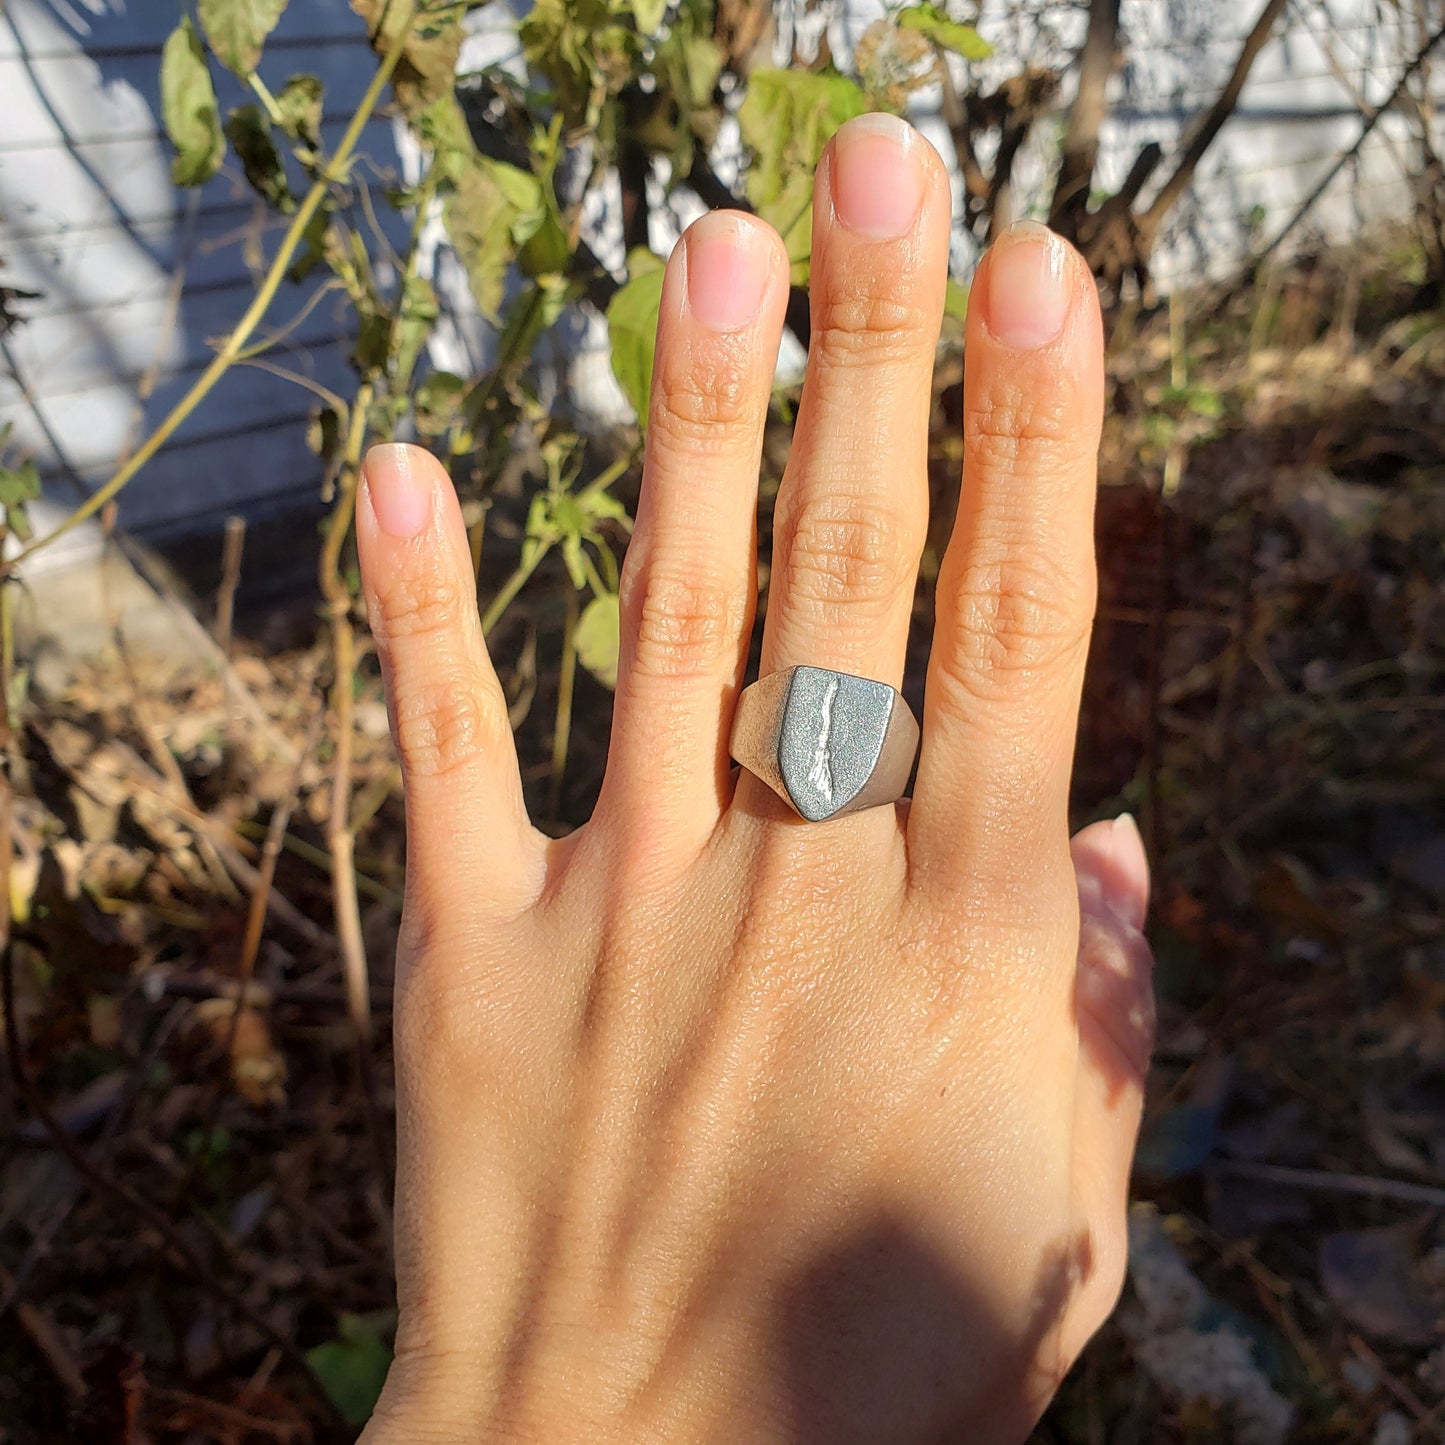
<point>269,498</point>
<point>1211,38</point>
<point>1214,223</point>
<point>1224,210</point>
<point>19,242</point>
<point>127,380</point>
<point>242,283</point>
<point>1376,146</point>
<point>1257,104</point>
<point>121,51</point>
<point>1338,191</point>
<point>184,444</point>
<point>1365,40</point>
<point>1252,115</point>
<point>336,120</point>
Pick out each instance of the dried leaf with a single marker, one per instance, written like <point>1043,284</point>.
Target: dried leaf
<point>237,29</point>
<point>300,103</point>
<point>428,66</point>
<point>258,1069</point>
<point>249,132</point>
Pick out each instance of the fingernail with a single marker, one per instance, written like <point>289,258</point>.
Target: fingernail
<point>728,261</point>
<point>400,498</point>
<point>877,176</point>
<point>1126,884</point>
<point>1026,296</point>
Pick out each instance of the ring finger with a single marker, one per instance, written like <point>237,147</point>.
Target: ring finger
<point>852,509</point>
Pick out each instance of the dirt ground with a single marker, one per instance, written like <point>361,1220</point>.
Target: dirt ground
<point>194,1243</point>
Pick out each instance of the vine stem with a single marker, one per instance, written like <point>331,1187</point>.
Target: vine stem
<point>263,94</point>
<point>341,842</point>
<point>566,679</point>
<point>334,172</point>
<point>510,588</point>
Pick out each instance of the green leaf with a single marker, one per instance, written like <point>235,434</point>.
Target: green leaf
<point>480,222</point>
<point>444,128</point>
<point>632,325</point>
<point>963,40</point>
<point>545,252</point>
<point>536,229</point>
<point>643,262</point>
<point>237,29</point>
<point>19,485</point>
<point>579,46</point>
<point>596,638</point>
<point>188,107</point>
<point>955,300</point>
<point>702,62</point>
<point>787,119</point>
<point>352,1369</point>
<point>419,310</point>
<point>17,518</point>
<point>520,189</point>
<point>249,132</point>
<point>649,14</point>
<point>437,403</point>
<point>300,101</point>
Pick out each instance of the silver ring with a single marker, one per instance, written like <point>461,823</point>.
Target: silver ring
<point>827,743</point>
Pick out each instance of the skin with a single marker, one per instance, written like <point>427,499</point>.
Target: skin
<point>715,1125</point>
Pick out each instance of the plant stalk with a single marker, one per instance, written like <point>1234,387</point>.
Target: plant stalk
<point>334,172</point>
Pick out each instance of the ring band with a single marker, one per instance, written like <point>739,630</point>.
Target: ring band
<point>827,743</point>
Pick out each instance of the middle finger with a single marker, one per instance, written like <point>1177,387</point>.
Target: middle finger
<point>852,510</point>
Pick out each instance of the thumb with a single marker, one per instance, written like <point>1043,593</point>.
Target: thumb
<point>1114,1005</point>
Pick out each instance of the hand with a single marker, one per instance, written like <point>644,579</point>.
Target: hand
<point>715,1125</point>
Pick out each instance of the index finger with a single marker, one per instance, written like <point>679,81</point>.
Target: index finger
<point>1016,588</point>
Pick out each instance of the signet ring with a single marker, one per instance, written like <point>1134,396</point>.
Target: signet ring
<point>827,743</point>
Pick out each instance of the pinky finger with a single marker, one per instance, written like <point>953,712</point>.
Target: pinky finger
<point>1115,1008</point>
<point>466,822</point>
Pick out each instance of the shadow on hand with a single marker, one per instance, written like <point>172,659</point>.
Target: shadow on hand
<point>883,1340</point>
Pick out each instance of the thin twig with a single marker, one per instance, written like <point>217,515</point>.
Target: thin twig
<point>339,838</point>
<point>266,872</point>
<point>250,947</point>
<point>296,378</point>
<point>1403,1191</point>
<point>340,841</point>
<point>562,730</point>
<point>231,550</point>
<point>161,981</point>
<point>47,1339</point>
<point>320,858</point>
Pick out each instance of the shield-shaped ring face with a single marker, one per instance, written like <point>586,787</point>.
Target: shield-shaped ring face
<point>826,742</point>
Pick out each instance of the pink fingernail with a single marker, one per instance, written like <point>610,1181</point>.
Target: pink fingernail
<point>1126,883</point>
<point>400,497</point>
<point>728,260</point>
<point>877,176</point>
<point>1027,292</point>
